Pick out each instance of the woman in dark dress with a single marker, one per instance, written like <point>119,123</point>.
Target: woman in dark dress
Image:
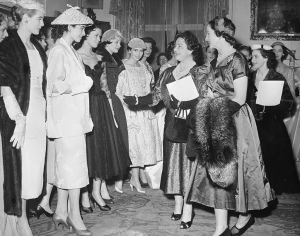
<point>106,150</point>
<point>177,160</point>
<point>108,50</point>
<point>227,139</point>
<point>275,142</point>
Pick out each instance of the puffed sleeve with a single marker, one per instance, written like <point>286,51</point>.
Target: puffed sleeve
<point>238,67</point>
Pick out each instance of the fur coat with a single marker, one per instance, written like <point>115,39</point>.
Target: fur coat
<point>15,73</point>
<point>216,138</point>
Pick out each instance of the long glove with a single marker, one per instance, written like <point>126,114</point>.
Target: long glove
<point>141,100</point>
<point>14,112</point>
<point>184,104</point>
<point>233,106</point>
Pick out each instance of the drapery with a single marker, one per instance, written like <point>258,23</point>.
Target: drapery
<point>180,15</point>
<point>130,17</point>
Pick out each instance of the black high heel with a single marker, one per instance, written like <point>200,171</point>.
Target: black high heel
<point>86,209</point>
<point>102,208</point>
<point>109,200</point>
<point>236,231</point>
<point>186,225</point>
<point>40,210</point>
<point>226,232</point>
<point>176,217</point>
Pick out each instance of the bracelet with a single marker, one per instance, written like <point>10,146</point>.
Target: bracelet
<point>136,99</point>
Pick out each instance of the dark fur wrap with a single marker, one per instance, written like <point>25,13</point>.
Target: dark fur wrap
<point>113,67</point>
<point>15,73</point>
<point>216,137</point>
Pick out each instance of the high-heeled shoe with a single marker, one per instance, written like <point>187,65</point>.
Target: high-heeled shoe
<point>59,222</point>
<point>186,225</point>
<point>236,231</point>
<point>118,190</point>
<point>80,232</point>
<point>226,232</point>
<point>132,186</point>
<point>176,217</point>
<point>108,200</point>
<point>102,208</point>
<point>86,209</point>
<point>40,210</point>
<point>144,184</point>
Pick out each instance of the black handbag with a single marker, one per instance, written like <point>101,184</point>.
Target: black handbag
<point>177,130</point>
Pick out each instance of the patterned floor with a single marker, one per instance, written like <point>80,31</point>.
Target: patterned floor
<point>136,214</point>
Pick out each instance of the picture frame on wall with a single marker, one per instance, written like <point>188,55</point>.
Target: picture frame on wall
<point>94,4</point>
<point>275,19</point>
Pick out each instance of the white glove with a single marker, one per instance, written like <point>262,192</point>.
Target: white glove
<point>14,112</point>
<point>18,137</point>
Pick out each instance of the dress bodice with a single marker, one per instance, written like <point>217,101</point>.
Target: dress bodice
<point>95,74</point>
<point>230,68</point>
<point>36,71</point>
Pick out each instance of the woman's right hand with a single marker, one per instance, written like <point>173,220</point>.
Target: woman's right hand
<point>18,137</point>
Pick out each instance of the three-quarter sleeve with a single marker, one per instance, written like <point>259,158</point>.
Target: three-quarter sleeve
<point>120,88</point>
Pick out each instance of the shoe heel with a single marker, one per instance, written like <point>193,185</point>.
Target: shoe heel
<point>131,187</point>
<point>59,223</point>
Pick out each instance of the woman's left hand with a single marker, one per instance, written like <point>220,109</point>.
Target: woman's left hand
<point>174,102</point>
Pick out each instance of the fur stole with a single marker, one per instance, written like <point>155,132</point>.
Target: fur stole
<point>216,138</point>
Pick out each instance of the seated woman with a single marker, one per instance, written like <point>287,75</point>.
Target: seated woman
<point>275,143</point>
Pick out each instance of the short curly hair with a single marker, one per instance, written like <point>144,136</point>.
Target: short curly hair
<point>192,45</point>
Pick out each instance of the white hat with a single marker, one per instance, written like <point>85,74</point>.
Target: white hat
<point>136,43</point>
<point>31,5</point>
<point>72,16</point>
<point>111,34</point>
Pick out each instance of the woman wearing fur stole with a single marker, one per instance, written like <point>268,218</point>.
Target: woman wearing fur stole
<point>22,116</point>
<point>229,172</point>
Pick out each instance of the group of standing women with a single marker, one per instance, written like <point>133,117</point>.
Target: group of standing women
<point>101,121</point>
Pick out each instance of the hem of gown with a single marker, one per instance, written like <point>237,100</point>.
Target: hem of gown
<point>62,186</point>
<point>31,196</point>
<point>226,205</point>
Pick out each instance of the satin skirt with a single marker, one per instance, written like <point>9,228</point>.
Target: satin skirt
<point>252,191</point>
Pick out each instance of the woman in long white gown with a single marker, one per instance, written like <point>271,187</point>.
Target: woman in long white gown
<point>22,87</point>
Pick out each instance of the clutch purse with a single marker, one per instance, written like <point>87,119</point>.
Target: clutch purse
<point>177,130</point>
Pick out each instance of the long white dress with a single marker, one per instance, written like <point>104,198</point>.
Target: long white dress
<point>34,149</point>
<point>143,132</point>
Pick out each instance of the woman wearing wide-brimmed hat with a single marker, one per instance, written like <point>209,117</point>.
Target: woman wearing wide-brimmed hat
<point>68,117</point>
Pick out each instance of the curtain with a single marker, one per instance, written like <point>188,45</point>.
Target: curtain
<point>130,17</point>
<point>165,16</point>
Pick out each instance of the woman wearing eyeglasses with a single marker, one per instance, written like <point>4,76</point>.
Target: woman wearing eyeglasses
<point>275,143</point>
